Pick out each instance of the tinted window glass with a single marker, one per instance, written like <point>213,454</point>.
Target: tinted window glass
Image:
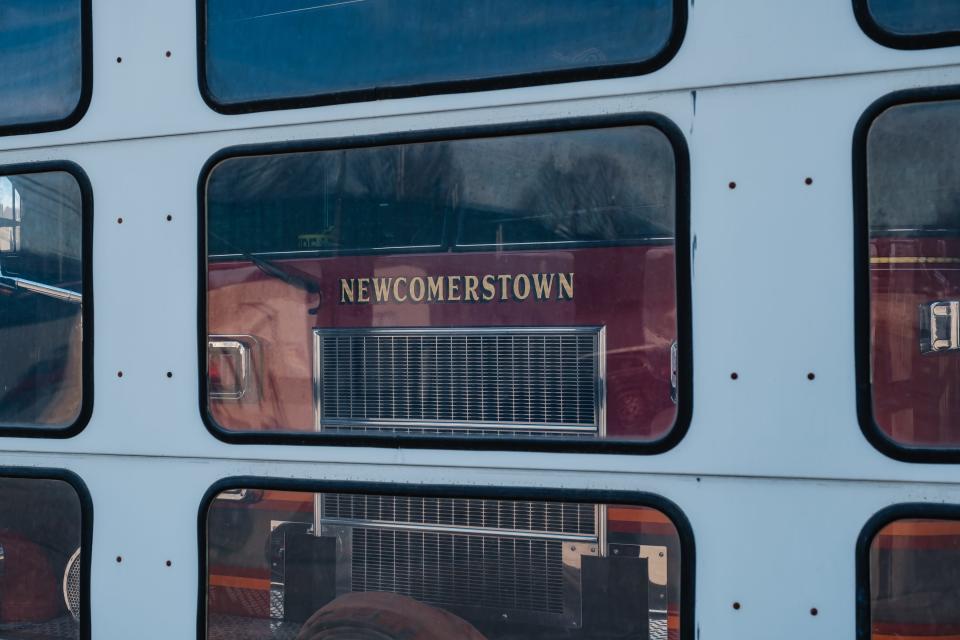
<point>916,17</point>
<point>337,565</point>
<point>914,251</point>
<point>42,61</point>
<point>264,49</point>
<point>40,529</point>
<point>41,299</point>
<point>914,571</point>
<point>914,168</point>
<point>459,287</point>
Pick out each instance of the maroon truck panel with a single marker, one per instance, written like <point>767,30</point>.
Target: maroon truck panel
<point>916,395</point>
<point>627,291</point>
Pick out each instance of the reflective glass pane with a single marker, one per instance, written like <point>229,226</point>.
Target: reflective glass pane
<point>913,170</point>
<point>41,297</point>
<point>40,568</point>
<point>916,17</point>
<point>515,286</point>
<point>270,49</point>
<point>284,564</point>
<point>42,61</point>
<point>914,578</point>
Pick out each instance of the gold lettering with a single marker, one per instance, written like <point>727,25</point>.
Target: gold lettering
<point>489,291</point>
<point>543,285</point>
<point>417,289</point>
<point>470,284</point>
<point>435,289</point>
<point>396,290</point>
<point>453,288</point>
<point>521,292</point>
<point>463,288</point>
<point>347,290</point>
<point>504,279</point>
<point>566,286</point>
<point>381,289</point>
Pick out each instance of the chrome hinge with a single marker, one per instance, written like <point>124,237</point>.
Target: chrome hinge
<point>940,326</point>
<point>674,368</point>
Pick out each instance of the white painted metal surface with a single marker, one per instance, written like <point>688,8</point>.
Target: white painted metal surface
<point>774,474</point>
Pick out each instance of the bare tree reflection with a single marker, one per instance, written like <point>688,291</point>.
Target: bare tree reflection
<point>592,200</point>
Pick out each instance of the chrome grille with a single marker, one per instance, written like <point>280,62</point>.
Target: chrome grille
<point>472,513</point>
<point>448,569</point>
<point>543,381</point>
<point>462,432</point>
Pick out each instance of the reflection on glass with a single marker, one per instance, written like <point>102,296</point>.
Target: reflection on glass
<point>40,526</point>
<point>265,49</point>
<point>914,573</point>
<point>40,54</point>
<point>517,286</point>
<point>284,564</point>
<point>914,215</point>
<point>41,292</point>
<point>916,17</point>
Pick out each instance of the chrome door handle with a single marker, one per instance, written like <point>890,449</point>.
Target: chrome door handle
<point>940,326</point>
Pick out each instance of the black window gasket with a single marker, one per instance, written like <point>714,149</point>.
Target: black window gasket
<point>884,517</point>
<point>878,34</point>
<point>670,49</point>
<point>676,516</point>
<point>86,527</point>
<point>573,445</point>
<point>86,312</point>
<point>861,270</point>
<point>86,84</point>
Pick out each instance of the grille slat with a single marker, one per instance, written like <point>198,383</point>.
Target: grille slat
<point>449,569</point>
<point>474,513</point>
<point>532,381</point>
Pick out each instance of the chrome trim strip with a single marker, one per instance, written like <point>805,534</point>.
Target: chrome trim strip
<point>232,494</point>
<point>322,253</point>
<point>601,382</point>
<point>546,246</point>
<point>571,244</point>
<point>435,424</point>
<point>46,290</point>
<point>431,331</point>
<point>471,531</point>
<point>600,513</point>
<point>317,391</point>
